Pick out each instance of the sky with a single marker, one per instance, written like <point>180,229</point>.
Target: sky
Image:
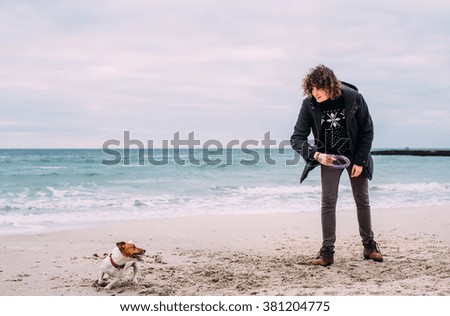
<point>74,74</point>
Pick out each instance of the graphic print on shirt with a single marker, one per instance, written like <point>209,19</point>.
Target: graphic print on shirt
<point>336,139</point>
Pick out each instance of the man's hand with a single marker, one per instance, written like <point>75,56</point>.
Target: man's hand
<point>325,159</point>
<point>356,171</point>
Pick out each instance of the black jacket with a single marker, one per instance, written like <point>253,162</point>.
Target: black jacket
<point>359,129</point>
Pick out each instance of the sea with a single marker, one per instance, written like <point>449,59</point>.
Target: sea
<point>45,190</point>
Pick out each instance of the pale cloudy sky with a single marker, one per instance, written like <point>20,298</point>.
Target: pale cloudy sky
<point>77,73</point>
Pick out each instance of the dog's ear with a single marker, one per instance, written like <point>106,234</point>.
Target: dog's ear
<point>120,245</point>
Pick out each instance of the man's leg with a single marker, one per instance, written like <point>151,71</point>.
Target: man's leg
<point>360,189</point>
<point>330,186</point>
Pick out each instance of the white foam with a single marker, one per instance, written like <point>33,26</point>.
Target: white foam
<point>279,190</point>
<point>414,187</point>
<point>65,207</point>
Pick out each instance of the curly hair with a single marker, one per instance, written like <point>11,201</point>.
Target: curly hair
<point>323,78</point>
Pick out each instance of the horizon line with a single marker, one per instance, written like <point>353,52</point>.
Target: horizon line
<point>199,147</point>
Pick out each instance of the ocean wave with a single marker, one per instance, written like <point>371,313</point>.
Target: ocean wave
<point>278,190</point>
<point>91,212</point>
<point>51,174</point>
<point>266,190</point>
<point>413,187</point>
<point>43,188</point>
<point>91,195</point>
<point>9,208</point>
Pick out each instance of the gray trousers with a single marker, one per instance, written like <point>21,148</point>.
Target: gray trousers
<point>330,185</point>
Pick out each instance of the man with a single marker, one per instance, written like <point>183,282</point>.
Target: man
<point>339,118</point>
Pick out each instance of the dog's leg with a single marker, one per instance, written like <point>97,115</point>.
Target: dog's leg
<point>112,283</point>
<point>115,279</point>
<point>100,278</point>
<point>135,271</point>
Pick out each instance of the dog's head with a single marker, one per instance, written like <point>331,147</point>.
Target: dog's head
<point>128,249</point>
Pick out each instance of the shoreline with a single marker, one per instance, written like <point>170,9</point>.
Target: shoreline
<point>90,225</point>
<point>266,254</point>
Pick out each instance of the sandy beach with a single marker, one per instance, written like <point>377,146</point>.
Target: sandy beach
<point>238,255</point>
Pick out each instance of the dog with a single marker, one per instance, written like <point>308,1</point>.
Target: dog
<point>122,257</point>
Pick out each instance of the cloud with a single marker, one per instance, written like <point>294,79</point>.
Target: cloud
<point>74,73</point>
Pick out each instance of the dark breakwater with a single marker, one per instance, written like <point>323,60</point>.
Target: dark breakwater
<point>412,152</point>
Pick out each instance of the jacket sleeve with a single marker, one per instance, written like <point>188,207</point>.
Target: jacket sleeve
<point>365,132</point>
<point>302,129</point>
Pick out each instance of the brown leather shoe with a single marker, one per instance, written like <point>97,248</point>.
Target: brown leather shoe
<point>324,258</point>
<point>372,251</point>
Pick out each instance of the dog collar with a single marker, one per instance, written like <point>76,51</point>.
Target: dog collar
<point>115,265</point>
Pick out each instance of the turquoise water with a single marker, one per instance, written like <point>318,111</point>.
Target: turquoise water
<point>48,189</point>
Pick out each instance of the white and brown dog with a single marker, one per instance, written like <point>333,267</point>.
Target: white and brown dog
<point>122,257</point>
